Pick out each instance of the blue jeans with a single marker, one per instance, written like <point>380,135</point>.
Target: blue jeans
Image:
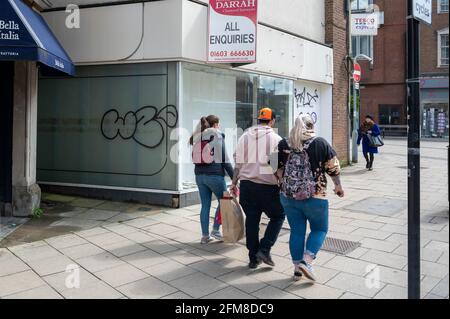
<point>298,212</point>
<point>207,185</point>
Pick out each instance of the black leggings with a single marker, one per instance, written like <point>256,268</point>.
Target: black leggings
<point>369,160</point>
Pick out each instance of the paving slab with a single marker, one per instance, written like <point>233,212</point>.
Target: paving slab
<point>121,275</point>
<point>10,264</point>
<point>392,292</point>
<point>169,270</point>
<point>42,292</point>
<point>198,285</point>
<point>308,290</point>
<point>355,284</point>
<point>85,250</point>
<point>19,282</point>
<point>99,262</point>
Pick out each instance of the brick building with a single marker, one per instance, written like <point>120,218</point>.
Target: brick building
<point>336,34</point>
<point>383,90</point>
<point>434,61</point>
<point>154,65</point>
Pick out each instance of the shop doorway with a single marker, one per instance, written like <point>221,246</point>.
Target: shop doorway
<point>391,119</point>
<point>6,130</point>
<point>390,114</point>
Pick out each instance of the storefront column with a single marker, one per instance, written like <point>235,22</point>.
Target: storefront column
<point>25,192</point>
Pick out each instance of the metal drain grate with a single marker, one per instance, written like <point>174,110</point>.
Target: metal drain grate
<point>339,246</point>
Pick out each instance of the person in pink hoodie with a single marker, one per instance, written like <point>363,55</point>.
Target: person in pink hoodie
<point>259,190</point>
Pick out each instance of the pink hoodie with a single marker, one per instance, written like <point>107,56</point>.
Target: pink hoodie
<point>252,155</point>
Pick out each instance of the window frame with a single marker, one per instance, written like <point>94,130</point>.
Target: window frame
<point>369,3</point>
<point>357,50</point>
<point>440,33</point>
<point>439,7</point>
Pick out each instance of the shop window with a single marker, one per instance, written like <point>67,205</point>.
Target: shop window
<point>443,48</point>
<point>435,121</point>
<point>235,97</point>
<point>109,126</point>
<point>442,6</point>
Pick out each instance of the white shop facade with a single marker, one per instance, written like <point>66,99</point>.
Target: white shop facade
<point>119,128</point>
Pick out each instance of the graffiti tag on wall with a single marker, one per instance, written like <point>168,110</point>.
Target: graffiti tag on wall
<point>147,126</point>
<point>307,99</point>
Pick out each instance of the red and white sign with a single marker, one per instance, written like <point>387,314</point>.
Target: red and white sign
<point>365,23</point>
<point>356,72</point>
<point>232,26</point>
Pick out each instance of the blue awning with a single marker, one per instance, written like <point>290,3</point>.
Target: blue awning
<point>24,35</point>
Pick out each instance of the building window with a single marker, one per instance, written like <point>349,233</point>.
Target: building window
<point>361,4</point>
<point>362,44</point>
<point>443,48</point>
<point>236,98</point>
<point>101,105</point>
<point>442,6</point>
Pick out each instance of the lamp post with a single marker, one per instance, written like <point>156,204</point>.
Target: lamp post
<point>356,111</point>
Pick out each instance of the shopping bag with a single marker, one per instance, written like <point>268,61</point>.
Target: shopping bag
<point>375,141</point>
<point>232,219</point>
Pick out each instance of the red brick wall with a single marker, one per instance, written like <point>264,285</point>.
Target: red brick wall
<point>336,35</point>
<point>383,83</point>
<point>428,42</point>
<point>375,95</point>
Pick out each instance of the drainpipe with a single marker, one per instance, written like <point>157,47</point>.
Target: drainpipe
<point>349,128</point>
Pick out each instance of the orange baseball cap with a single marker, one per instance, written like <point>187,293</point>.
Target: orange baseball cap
<point>265,114</point>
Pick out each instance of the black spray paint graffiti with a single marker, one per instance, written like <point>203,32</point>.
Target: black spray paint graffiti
<point>306,99</point>
<point>147,126</point>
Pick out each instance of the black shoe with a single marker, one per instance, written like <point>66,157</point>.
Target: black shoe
<point>367,165</point>
<point>266,258</point>
<point>253,264</point>
<point>297,275</point>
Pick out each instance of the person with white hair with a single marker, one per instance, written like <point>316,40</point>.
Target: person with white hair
<point>303,162</point>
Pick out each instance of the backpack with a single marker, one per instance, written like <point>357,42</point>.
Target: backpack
<point>202,153</point>
<point>298,179</point>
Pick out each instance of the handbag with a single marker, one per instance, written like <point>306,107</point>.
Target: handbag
<point>375,141</point>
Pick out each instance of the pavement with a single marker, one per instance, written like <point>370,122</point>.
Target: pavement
<point>86,248</point>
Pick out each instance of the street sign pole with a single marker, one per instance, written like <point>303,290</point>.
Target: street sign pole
<point>413,154</point>
<point>355,126</point>
<point>356,79</point>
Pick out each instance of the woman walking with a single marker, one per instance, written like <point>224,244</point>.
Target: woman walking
<point>211,162</point>
<point>303,161</point>
<point>368,127</point>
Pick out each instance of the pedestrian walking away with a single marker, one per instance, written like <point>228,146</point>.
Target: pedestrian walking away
<point>303,162</point>
<point>367,128</point>
<point>259,191</point>
<point>211,163</point>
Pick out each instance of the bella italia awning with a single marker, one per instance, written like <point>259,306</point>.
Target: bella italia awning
<point>24,35</point>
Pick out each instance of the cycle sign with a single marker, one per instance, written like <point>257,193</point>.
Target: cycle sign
<point>422,10</point>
